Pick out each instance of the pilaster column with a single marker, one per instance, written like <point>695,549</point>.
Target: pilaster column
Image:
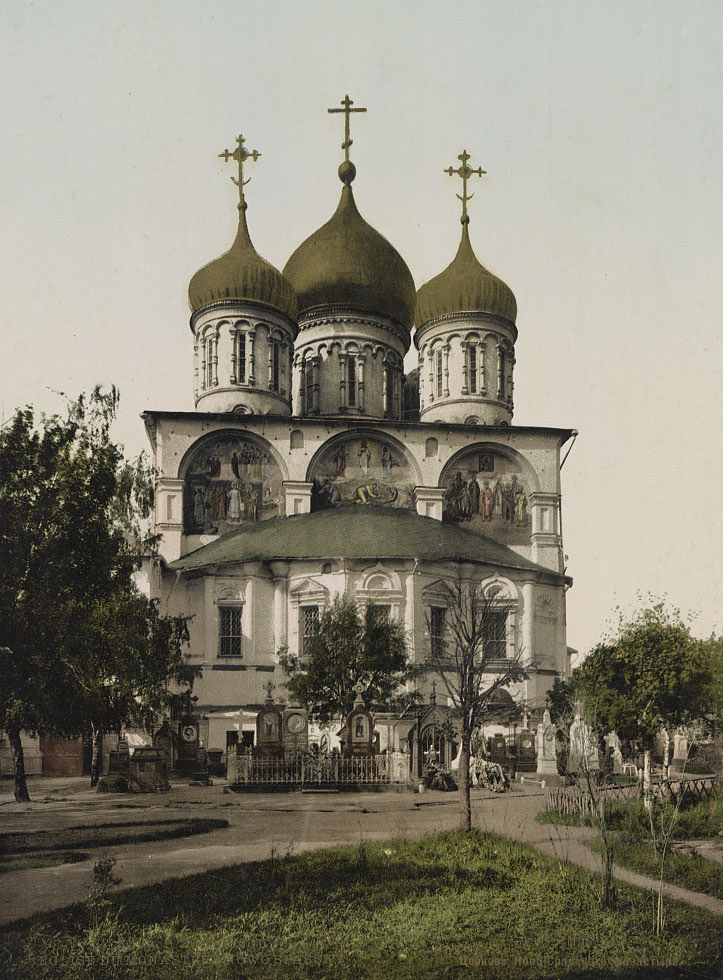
<point>280,571</point>
<point>445,354</point>
<point>500,371</point>
<point>360,380</point>
<point>204,356</point>
<point>195,367</point>
<point>386,397</point>
<point>465,364</point>
<point>431,376</point>
<point>252,356</point>
<point>215,358</point>
<point>234,346</point>
<point>422,386</point>
<point>316,364</point>
<point>482,370</point>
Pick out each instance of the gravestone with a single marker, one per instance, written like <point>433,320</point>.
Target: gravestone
<point>188,745</point>
<point>149,770</point>
<point>582,756</point>
<point>545,739</point>
<point>163,741</point>
<point>119,760</point>
<point>612,741</point>
<point>526,754</point>
<point>498,750</point>
<point>359,728</point>
<point>295,731</point>
<point>269,744</point>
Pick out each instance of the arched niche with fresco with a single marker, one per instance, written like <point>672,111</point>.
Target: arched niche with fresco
<point>365,469</point>
<point>229,479</point>
<point>488,490</point>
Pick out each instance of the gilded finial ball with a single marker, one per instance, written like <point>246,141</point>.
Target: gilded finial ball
<point>347,172</point>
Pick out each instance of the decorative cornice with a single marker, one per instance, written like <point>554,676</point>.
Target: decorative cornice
<point>340,314</point>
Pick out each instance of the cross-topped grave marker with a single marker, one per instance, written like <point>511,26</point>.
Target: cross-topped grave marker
<point>465,172</point>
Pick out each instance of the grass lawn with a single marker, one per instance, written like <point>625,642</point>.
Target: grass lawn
<point>446,906</point>
<point>690,871</point>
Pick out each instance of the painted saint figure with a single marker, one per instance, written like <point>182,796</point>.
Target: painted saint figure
<point>365,457</point>
<point>234,503</point>
<point>340,461</point>
<point>486,503</point>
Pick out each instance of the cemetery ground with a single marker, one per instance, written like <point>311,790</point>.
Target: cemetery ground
<point>330,885</point>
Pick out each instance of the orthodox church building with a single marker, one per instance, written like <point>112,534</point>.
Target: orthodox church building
<point>312,466</point>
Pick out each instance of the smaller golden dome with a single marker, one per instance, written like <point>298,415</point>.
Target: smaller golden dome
<point>465,286</point>
<point>348,263</point>
<point>241,274</point>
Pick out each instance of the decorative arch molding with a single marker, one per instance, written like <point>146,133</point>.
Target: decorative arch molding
<point>230,595</point>
<point>379,586</point>
<point>309,592</point>
<point>209,438</point>
<point>364,467</point>
<point>512,456</point>
<point>499,589</point>
<point>231,477</point>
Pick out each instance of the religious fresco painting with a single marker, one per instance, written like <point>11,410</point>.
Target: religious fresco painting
<point>229,482</point>
<point>361,470</point>
<point>487,491</point>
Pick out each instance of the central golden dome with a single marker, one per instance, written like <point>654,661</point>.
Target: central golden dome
<point>346,263</point>
<point>465,286</point>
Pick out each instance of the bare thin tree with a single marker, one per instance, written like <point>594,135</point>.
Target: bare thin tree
<point>470,655</point>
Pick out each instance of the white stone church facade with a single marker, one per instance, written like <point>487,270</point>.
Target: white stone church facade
<point>311,466</point>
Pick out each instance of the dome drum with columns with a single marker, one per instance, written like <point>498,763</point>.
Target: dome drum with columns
<point>306,471</point>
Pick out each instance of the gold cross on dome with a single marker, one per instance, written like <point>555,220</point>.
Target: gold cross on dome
<point>240,155</point>
<point>347,104</point>
<point>465,172</point>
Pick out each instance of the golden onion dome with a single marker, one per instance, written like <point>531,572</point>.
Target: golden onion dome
<point>346,263</point>
<point>465,286</point>
<point>242,275</point>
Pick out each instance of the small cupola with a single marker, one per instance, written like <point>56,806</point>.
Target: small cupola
<point>244,323</point>
<point>465,333</point>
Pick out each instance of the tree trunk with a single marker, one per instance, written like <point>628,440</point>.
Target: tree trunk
<point>647,794</point>
<point>21,786</point>
<point>464,781</point>
<point>96,757</point>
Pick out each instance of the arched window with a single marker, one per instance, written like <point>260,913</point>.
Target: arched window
<point>296,439</point>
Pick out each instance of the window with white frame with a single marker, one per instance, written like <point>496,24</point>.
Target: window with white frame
<point>230,635</point>
<point>308,626</point>
<point>472,368</point>
<point>495,634</point>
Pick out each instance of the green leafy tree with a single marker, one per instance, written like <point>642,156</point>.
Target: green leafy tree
<point>76,636</point>
<point>346,649</point>
<point>649,677</point>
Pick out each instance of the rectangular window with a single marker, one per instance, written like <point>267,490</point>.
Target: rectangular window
<point>351,380</point>
<point>274,365</point>
<point>438,363</point>
<point>495,641</point>
<point>472,352</point>
<point>389,407</point>
<point>308,625</point>
<point>308,386</point>
<point>437,624</point>
<point>242,357</point>
<point>379,614</point>
<point>229,631</point>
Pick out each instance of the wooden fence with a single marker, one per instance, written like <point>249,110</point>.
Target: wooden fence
<point>573,801</point>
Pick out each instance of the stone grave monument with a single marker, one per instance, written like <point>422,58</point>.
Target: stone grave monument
<point>545,745</point>
<point>269,743</point>
<point>359,729</point>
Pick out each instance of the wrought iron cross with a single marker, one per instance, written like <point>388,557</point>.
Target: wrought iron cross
<point>347,104</point>
<point>465,172</point>
<point>240,155</point>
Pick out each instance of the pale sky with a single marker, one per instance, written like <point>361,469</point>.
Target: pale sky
<point>599,125</point>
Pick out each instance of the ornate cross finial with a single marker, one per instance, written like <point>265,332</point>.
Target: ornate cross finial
<point>347,104</point>
<point>347,170</point>
<point>465,172</point>
<point>434,692</point>
<point>240,155</point>
<point>269,688</point>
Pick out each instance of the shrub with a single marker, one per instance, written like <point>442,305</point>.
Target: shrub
<point>113,784</point>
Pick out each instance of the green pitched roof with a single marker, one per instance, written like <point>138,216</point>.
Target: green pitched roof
<point>353,531</point>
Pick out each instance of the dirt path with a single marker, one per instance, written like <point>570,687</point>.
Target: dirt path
<point>259,824</point>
